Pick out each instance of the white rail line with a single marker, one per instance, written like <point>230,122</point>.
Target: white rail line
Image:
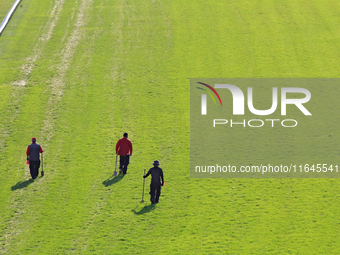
<point>8,16</point>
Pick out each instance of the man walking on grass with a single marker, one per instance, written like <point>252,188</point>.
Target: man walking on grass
<point>155,186</point>
<point>124,150</point>
<point>33,156</point>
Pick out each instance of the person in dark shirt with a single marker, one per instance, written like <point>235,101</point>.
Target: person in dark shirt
<point>124,150</point>
<point>157,180</point>
<point>33,156</point>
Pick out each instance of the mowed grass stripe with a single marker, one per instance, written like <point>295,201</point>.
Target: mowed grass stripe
<point>257,39</point>
<point>31,119</point>
<point>12,157</point>
<point>133,76</point>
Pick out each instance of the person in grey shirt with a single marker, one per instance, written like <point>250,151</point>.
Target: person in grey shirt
<point>33,156</point>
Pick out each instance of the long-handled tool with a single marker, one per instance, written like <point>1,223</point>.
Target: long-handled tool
<point>115,172</point>
<point>143,188</point>
<point>42,165</point>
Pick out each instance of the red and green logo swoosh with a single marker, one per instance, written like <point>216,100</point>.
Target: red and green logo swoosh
<point>208,92</point>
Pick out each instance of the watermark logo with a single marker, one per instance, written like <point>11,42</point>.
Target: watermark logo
<point>238,107</point>
<point>204,97</point>
<point>238,99</point>
<point>264,128</point>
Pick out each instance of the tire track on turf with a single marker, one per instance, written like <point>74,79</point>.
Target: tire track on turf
<point>56,86</point>
<point>47,31</point>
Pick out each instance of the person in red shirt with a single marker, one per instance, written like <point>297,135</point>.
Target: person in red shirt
<point>124,150</point>
<point>33,156</point>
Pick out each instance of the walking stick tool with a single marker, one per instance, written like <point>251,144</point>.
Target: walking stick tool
<point>115,172</point>
<point>42,165</point>
<point>143,188</point>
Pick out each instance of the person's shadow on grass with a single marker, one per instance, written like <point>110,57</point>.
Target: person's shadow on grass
<point>145,209</point>
<point>113,180</point>
<point>22,184</point>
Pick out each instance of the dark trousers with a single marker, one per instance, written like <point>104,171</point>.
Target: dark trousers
<point>155,192</point>
<point>123,162</point>
<point>34,169</point>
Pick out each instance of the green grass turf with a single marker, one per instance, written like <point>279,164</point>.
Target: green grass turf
<point>95,69</point>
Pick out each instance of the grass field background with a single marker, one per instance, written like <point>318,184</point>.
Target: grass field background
<point>78,74</point>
